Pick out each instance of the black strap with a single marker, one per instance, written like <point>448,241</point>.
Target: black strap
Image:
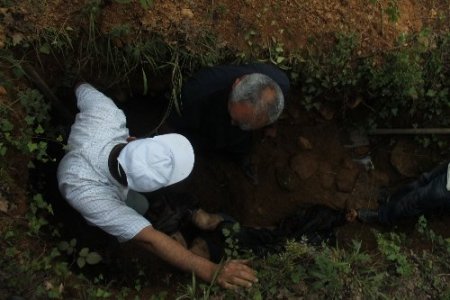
<point>114,166</point>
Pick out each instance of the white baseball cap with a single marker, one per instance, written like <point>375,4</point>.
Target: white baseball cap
<point>153,163</point>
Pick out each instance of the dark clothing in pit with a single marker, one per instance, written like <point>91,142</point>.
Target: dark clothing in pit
<point>426,194</point>
<point>204,97</point>
<point>172,212</point>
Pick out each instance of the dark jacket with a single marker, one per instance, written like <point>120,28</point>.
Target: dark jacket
<point>204,99</point>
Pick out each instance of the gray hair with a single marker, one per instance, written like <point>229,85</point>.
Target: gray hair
<point>251,90</point>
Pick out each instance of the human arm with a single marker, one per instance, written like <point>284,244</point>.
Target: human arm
<point>235,273</point>
<point>89,97</point>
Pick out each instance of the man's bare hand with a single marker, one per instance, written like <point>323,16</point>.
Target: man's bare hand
<point>206,221</point>
<point>235,274</point>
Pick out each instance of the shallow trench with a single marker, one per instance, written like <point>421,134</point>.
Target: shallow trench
<point>306,162</point>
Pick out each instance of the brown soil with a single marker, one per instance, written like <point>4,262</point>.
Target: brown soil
<point>237,24</point>
<point>326,174</point>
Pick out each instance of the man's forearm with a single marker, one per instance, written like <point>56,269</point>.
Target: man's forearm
<point>175,254</point>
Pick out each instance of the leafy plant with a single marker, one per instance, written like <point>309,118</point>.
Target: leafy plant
<point>390,246</point>
<point>146,4</point>
<point>87,257</point>
<point>231,243</point>
<point>392,10</point>
<point>327,74</point>
<point>37,215</point>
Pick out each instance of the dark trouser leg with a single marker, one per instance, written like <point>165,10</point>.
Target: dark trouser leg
<point>423,180</point>
<point>424,195</point>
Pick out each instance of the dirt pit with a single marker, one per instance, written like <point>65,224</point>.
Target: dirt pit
<point>307,161</point>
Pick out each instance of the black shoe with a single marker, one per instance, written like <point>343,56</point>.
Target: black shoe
<point>366,215</point>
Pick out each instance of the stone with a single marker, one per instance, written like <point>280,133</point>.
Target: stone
<point>326,112</point>
<point>346,177</point>
<point>286,178</point>
<point>352,104</point>
<point>3,206</point>
<point>304,143</point>
<point>404,159</point>
<point>380,178</point>
<point>3,91</point>
<point>327,175</point>
<point>186,12</point>
<point>305,165</point>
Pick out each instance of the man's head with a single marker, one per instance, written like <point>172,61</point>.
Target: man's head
<point>157,162</point>
<point>255,101</point>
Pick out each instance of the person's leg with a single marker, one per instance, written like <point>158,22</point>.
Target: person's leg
<point>424,198</point>
<point>423,180</point>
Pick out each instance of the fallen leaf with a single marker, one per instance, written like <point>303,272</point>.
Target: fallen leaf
<point>17,38</point>
<point>3,91</point>
<point>3,205</point>
<point>186,12</point>
<point>48,285</point>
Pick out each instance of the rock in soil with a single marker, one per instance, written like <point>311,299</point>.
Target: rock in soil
<point>327,175</point>
<point>346,177</point>
<point>304,143</point>
<point>186,12</point>
<point>404,159</point>
<point>3,205</point>
<point>352,104</point>
<point>327,112</point>
<point>380,177</point>
<point>305,165</point>
<point>286,178</point>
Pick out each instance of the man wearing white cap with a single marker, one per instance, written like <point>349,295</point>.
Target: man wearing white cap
<point>103,164</point>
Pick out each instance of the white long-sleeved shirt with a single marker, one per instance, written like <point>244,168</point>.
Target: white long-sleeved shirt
<point>83,174</point>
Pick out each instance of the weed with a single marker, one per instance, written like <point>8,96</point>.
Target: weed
<point>325,75</point>
<point>146,4</point>
<point>37,214</point>
<point>87,257</point>
<point>390,246</point>
<point>392,10</point>
<point>231,242</point>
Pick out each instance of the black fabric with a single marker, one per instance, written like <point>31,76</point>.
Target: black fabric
<point>114,166</point>
<point>425,195</point>
<point>315,225</point>
<point>205,119</point>
<point>170,212</point>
